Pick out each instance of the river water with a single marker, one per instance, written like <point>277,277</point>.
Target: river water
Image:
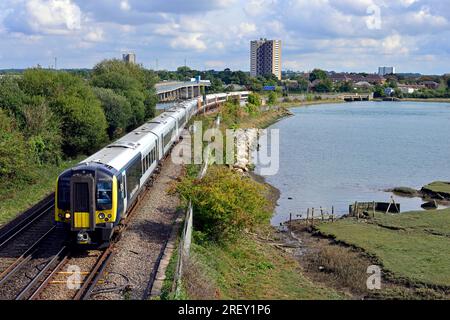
<point>336,154</point>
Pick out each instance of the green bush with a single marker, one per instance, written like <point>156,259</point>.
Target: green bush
<point>225,203</point>
<point>117,111</point>
<point>72,101</point>
<point>272,98</point>
<point>132,82</point>
<point>16,158</point>
<point>255,99</point>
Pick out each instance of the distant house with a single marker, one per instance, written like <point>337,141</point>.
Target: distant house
<point>339,77</point>
<point>291,84</point>
<point>355,78</point>
<point>363,85</point>
<point>430,85</point>
<point>389,92</point>
<point>410,88</point>
<point>375,79</point>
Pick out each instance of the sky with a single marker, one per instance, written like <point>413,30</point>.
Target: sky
<point>339,35</point>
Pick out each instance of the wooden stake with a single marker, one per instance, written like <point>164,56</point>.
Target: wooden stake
<point>374,209</point>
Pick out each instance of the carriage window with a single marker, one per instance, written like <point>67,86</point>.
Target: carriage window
<point>104,195</point>
<point>64,193</point>
<point>168,137</point>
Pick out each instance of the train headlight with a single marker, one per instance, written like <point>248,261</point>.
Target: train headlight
<point>101,216</point>
<point>67,216</point>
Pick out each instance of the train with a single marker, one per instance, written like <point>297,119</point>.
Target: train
<point>92,198</point>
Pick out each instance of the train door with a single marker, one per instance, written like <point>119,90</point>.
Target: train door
<point>123,190</point>
<point>82,198</point>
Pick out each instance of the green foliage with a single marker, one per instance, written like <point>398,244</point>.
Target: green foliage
<point>225,203</point>
<point>12,98</point>
<point>231,112</point>
<point>16,159</point>
<point>324,86</point>
<point>317,74</point>
<point>117,111</point>
<point>345,86</point>
<point>255,99</point>
<point>273,97</point>
<point>303,84</point>
<point>43,131</point>
<point>132,82</point>
<point>73,102</point>
<point>378,92</point>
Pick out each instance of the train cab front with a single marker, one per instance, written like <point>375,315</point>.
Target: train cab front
<point>86,198</point>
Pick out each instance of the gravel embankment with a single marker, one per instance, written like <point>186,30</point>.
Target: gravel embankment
<point>142,243</point>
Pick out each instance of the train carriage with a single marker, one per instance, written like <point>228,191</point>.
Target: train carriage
<point>93,197</point>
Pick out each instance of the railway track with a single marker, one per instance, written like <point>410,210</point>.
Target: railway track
<point>22,240</point>
<point>74,275</point>
<point>36,264</point>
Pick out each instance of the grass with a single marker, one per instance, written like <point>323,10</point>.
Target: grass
<point>298,104</point>
<point>413,246</point>
<point>15,200</point>
<point>438,187</point>
<point>251,269</point>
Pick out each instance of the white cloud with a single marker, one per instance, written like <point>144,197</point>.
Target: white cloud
<point>125,6</point>
<point>94,35</point>
<point>189,41</point>
<point>53,16</point>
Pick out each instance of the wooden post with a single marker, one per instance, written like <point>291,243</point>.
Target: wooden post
<point>357,210</point>
<point>290,221</point>
<point>374,209</point>
<point>389,207</point>
<point>312,217</point>
<point>321,213</point>
<point>332,214</point>
<point>307,216</point>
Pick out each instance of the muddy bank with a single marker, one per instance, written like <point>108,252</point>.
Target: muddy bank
<point>433,193</point>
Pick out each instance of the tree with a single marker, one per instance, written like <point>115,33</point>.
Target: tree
<point>72,101</point>
<point>117,111</point>
<point>132,82</point>
<point>324,86</point>
<point>272,98</point>
<point>317,74</point>
<point>12,98</point>
<point>254,99</point>
<point>42,129</point>
<point>378,92</point>
<point>303,84</point>
<point>346,86</point>
<point>16,159</point>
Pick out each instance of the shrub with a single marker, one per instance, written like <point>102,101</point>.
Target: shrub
<point>16,158</point>
<point>72,101</point>
<point>132,82</point>
<point>225,203</point>
<point>255,99</point>
<point>117,111</point>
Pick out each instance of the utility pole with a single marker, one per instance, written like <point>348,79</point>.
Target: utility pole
<point>56,63</point>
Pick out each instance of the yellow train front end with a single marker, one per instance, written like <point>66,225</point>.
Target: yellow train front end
<point>86,203</point>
